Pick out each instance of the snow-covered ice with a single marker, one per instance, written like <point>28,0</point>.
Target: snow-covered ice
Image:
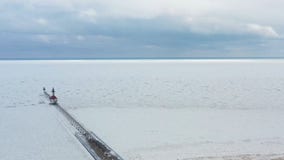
<point>31,129</point>
<point>36,133</point>
<point>166,109</point>
<point>155,133</point>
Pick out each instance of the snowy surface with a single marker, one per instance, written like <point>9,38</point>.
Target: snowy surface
<point>156,133</point>
<point>149,110</point>
<point>31,129</point>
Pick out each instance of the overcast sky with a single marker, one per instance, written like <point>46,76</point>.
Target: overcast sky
<point>141,28</point>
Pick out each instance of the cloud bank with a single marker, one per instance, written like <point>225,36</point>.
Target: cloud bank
<point>149,28</point>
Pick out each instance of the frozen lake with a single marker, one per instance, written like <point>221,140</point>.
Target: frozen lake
<point>166,109</point>
<point>31,129</point>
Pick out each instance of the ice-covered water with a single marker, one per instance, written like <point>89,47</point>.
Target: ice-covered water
<point>31,129</point>
<point>166,109</point>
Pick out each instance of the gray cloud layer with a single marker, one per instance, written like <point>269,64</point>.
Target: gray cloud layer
<point>149,28</point>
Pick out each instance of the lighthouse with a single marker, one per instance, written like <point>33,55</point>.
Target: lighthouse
<point>53,98</point>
